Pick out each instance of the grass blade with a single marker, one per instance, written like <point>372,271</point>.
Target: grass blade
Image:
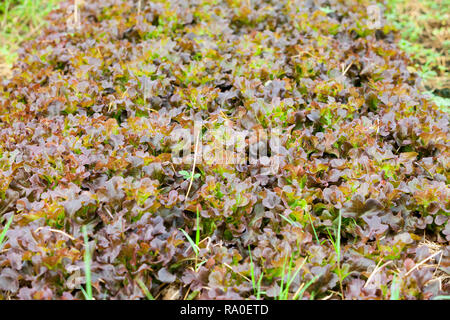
<point>145,289</point>
<point>191,242</point>
<point>252,270</point>
<point>87,266</point>
<point>314,229</point>
<point>2,236</point>
<point>395,289</point>
<point>338,238</point>
<point>197,232</point>
<point>300,293</point>
<point>192,295</point>
<point>295,274</point>
<point>282,279</point>
<point>292,222</point>
<point>258,287</point>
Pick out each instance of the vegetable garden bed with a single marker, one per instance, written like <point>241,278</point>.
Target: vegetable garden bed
<point>347,198</point>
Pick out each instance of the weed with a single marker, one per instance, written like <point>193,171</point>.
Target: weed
<point>256,285</point>
<point>337,248</point>
<point>395,288</point>
<point>314,229</point>
<point>145,289</point>
<point>284,288</point>
<point>192,295</point>
<point>191,242</point>
<point>195,245</point>
<point>188,175</point>
<point>192,175</point>
<point>296,224</point>
<point>3,234</point>
<point>301,290</point>
<point>87,267</point>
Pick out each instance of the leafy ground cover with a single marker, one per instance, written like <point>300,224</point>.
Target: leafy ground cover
<point>94,207</point>
<point>423,27</point>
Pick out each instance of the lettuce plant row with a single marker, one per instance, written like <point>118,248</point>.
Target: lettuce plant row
<point>87,135</point>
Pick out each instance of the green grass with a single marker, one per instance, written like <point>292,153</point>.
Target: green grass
<point>3,234</point>
<point>256,285</point>
<point>191,242</point>
<point>21,20</point>
<point>296,224</point>
<point>284,287</point>
<point>443,103</point>
<point>197,230</point>
<point>395,288</point>
<point>314,229</point>
<point>195,245</point>
<point>145,289</point>
<point>87,267</point>
<point>336,242</point>
<point>299,294</point>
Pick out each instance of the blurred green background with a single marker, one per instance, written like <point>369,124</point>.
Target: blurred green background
<point>20,20</point>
